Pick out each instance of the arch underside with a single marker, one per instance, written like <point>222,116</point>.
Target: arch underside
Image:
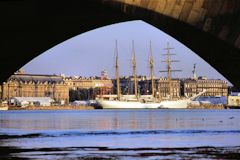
<point>30,28</point>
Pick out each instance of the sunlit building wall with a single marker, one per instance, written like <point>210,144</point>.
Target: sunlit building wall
<point>27,85</point>
<point>163,88</point>
<point>83,88</point>
<point>214,87</point>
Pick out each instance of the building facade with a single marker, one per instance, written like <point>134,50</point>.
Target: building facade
<point>28,85</point>
<point>87,83</point>
<point>127,85</point>
<point>234,100</point>
<point>163,87</point>
<point>82,88</point>
<point>214,87</point>
<point>179,87</point>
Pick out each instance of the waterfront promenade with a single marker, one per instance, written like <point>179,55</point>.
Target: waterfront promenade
<point>69,107</point>
<point>52,108</point>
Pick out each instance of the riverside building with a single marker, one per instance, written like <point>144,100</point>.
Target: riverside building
<point>179,87</point>
<point>144,86</point>
<point>163,88</point>
<point>214,87</point>
<point>76,83</point>
<point>30,85</point>
<point>82,88</point>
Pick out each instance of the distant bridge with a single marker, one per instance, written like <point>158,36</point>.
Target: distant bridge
<point>211,28</point>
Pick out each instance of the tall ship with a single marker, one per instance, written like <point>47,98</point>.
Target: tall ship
<point>137,101</point>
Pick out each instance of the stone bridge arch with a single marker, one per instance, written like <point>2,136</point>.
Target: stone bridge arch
<point>211,28</point>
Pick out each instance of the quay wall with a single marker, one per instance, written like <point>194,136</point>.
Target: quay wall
<point>52,108</point>
<point>206,106</point>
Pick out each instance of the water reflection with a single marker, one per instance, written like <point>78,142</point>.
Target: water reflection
<point>119,120</point>
<point>127,134</point>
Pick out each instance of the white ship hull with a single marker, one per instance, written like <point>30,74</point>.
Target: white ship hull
<point>106,104</point>
<point>168,104</point>
<point>178,104</point>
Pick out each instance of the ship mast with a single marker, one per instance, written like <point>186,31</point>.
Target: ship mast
<point>117,74</point>
<point>169,68</point>
<point>134,63</point>
<point>151,66</point>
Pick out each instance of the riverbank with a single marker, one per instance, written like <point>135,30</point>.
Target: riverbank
<point>52,108</point>
<point>106,153</point>
<point>202,106</point>
<point>207,106</point>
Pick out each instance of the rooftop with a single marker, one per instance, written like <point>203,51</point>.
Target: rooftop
<point>36,78</point>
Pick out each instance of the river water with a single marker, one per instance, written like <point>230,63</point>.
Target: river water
<point>120,134</point>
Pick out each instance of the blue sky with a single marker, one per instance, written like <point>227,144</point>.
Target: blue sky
<point>89,53</point>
